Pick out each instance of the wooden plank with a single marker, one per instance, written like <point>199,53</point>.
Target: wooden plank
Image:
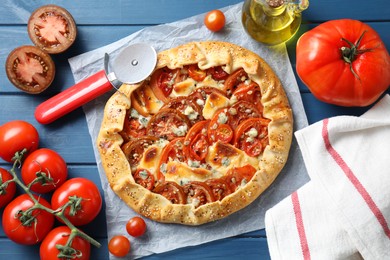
<point>160,11</point>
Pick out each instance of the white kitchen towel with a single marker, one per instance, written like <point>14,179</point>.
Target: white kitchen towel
<point>345,208</point>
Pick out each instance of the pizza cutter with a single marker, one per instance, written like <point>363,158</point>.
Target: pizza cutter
<point>132,65</point>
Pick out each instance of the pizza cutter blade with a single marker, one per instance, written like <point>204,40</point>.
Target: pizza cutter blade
<point>132,65</point>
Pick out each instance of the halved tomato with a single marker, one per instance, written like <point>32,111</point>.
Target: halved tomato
<point>198,193</point>
<point>168,124</point>
<point>187,106</point>
<point>132,127</point>
<point>219,128</point>
<point>30,69</point>
<point>52,28</point>
<point>219,187</point>
<point>241,111</point>
<point>251,136</point>
<point>196,141</point>
<point>172,191</point>
<point>162,81</point>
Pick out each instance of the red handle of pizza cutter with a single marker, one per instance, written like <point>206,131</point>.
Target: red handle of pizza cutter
<point>72,98</point>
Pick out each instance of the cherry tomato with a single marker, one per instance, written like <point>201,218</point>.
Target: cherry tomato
<point>172,191</point>
<point>168,124</point>
<point>196,141</point>
<point>28,233</point>
<point>16,136</point>
<point>198,193</point>
<point>214,20</point>
<point>90,205</point>
<point>136,226</point>
<point>119,246</point>
<point>195,73</point>
<point>144,178</point>
<point>48,162</point>
<point>59,236</point>
<point>52,28</point>
<point>7,192</point>
<point>251,136</point>
<point>30,69</point>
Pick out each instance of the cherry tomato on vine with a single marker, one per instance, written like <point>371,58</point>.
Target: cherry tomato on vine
<point>15,136</point>
<point>50,164</point>
<point>214,20</point>
<point>59,236</point>
<point>136,226</point>
<point>78,188</point>
<point>7,192</point>
<point>33,231</point>
<point>119,246</point>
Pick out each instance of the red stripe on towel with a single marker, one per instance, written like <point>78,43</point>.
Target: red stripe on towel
<point>300,226</point>
<point>353,179</point>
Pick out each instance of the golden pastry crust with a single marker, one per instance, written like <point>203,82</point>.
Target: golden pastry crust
<point>275,108</point>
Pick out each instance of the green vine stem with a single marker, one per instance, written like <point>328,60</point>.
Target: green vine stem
<point>66,251</point>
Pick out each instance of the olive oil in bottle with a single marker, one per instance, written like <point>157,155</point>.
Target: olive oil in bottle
<point>272,21</point>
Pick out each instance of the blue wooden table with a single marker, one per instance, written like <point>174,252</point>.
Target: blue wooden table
<point>101,22</point>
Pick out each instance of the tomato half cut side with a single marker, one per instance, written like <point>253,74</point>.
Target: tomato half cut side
<point>241,111</point>
<point>187,106</point>
<point>52,28</point>
<point>144,178</point>
<point>161,82</point>
<point>251,136</point>
<point>133,127</point>
<point>168,124</point>
<point>30,69</point>
<point>198,193</point>
<point>219,128</point>
<point>172,191</point>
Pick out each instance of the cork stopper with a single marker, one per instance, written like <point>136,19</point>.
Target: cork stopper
<point>275,3</point>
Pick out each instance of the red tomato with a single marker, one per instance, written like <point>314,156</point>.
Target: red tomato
<point>234,80</point>
<point>90,205</point>
<point>198,193</point>
<point>52,28</point>
<point>59,236</point>
<point>238,176</point>
<point>144,178</point>
<point>344,62</point>
<point>119,246</point>
<point>47,162</point>
<point>28,233</point>
<point>214,20</point>
<point>136,226</point>
<point>172,191</point>
<point>218,73</point>
<point>219,187</point>
<point>134,148</point>
<point>195,73</point>
<point>162,81</point>
<point>196,141</point>
<point>172,151</point>
<point>250,93</point>
<point>7,192</point>
<point>15,136</point>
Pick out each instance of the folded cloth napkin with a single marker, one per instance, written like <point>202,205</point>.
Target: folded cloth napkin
<point>344,211</point>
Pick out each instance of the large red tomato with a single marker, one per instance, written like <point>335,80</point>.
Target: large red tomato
<point>90,205</point>
<point>344,62</point>
<point>59,236</point>
<point>47,162</point>
<point>7,191</point>
<point>31,232</point>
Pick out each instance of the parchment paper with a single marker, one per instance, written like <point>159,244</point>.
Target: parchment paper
<point>164,237</point>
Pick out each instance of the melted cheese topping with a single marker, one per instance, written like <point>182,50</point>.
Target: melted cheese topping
<point>183,88</point>
<point>223,157</point>
<point>210,82</point>
<point>181,173</point>
<point>151,157</point>
<point>213,103</point>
